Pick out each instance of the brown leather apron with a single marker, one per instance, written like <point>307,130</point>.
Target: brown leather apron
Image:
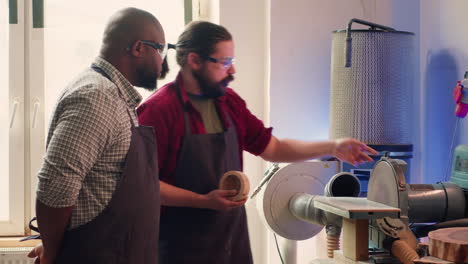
<point>192,235</point>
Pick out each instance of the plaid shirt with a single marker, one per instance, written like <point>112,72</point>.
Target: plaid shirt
<point>88,140</point>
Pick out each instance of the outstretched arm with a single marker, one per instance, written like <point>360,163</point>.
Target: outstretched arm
<point>288,150</point>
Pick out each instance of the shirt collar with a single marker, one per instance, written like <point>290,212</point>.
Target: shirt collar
<point>179,84</point>
<point>128,92</point>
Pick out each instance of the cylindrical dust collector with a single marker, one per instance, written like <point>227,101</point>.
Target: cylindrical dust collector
<point>372,77</point>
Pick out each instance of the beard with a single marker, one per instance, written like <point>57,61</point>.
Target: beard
<point>148,76</point>
<point>149,81</point>
<point>212,89</point>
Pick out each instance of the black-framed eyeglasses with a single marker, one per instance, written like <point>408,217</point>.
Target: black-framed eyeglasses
<point>161,48</point>
<point>227,62</point>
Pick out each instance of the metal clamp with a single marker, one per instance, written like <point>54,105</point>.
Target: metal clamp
<point>266,177</point>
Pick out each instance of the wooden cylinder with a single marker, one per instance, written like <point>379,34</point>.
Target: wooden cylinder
<point>449,244</point>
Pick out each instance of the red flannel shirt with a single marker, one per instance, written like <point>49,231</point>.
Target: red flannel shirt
<point>164,112</point>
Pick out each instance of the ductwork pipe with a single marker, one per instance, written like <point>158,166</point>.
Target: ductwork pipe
<point>435,202</point>
<point>343,184</point>
<point>301,205</point>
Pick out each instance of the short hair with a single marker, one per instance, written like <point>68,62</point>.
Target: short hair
<point>127,26</point>
<point>200,37</point>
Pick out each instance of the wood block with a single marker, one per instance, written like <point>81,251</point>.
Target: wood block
<point>449,244</point>
<point>356,239</point>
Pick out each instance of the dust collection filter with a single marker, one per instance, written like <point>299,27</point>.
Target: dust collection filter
<point>372,79</point>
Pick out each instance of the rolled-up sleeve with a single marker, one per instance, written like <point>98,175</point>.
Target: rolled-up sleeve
<point>257,136</point>
<point>82,127</point>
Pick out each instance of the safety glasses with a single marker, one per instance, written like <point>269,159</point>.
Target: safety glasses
<point>161,48</point>
<point>227,62</point>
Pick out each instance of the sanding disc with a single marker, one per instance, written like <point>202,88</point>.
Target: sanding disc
<point>235,180</point>
<point>273,200</point>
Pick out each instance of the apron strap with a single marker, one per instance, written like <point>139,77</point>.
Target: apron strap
<point>131,119</point>
<point>103,73</point>
<point>33,228</point>
<point>188,130</point>
<point>229,120</point>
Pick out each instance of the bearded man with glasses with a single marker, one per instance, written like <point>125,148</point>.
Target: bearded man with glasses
<point>202,127</point>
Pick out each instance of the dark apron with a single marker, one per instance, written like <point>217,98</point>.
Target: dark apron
<point>204,236</point>
<point>127,230</point>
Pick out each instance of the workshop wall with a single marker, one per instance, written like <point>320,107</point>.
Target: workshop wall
<point>444,59</point>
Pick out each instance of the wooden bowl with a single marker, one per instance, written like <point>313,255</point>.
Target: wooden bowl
<point>235,180</point>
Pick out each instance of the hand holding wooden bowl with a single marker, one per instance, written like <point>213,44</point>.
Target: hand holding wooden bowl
<point>235,180</point>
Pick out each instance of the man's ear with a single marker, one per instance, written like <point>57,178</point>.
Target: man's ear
<point>136,49</point>
<point>194,61</point>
